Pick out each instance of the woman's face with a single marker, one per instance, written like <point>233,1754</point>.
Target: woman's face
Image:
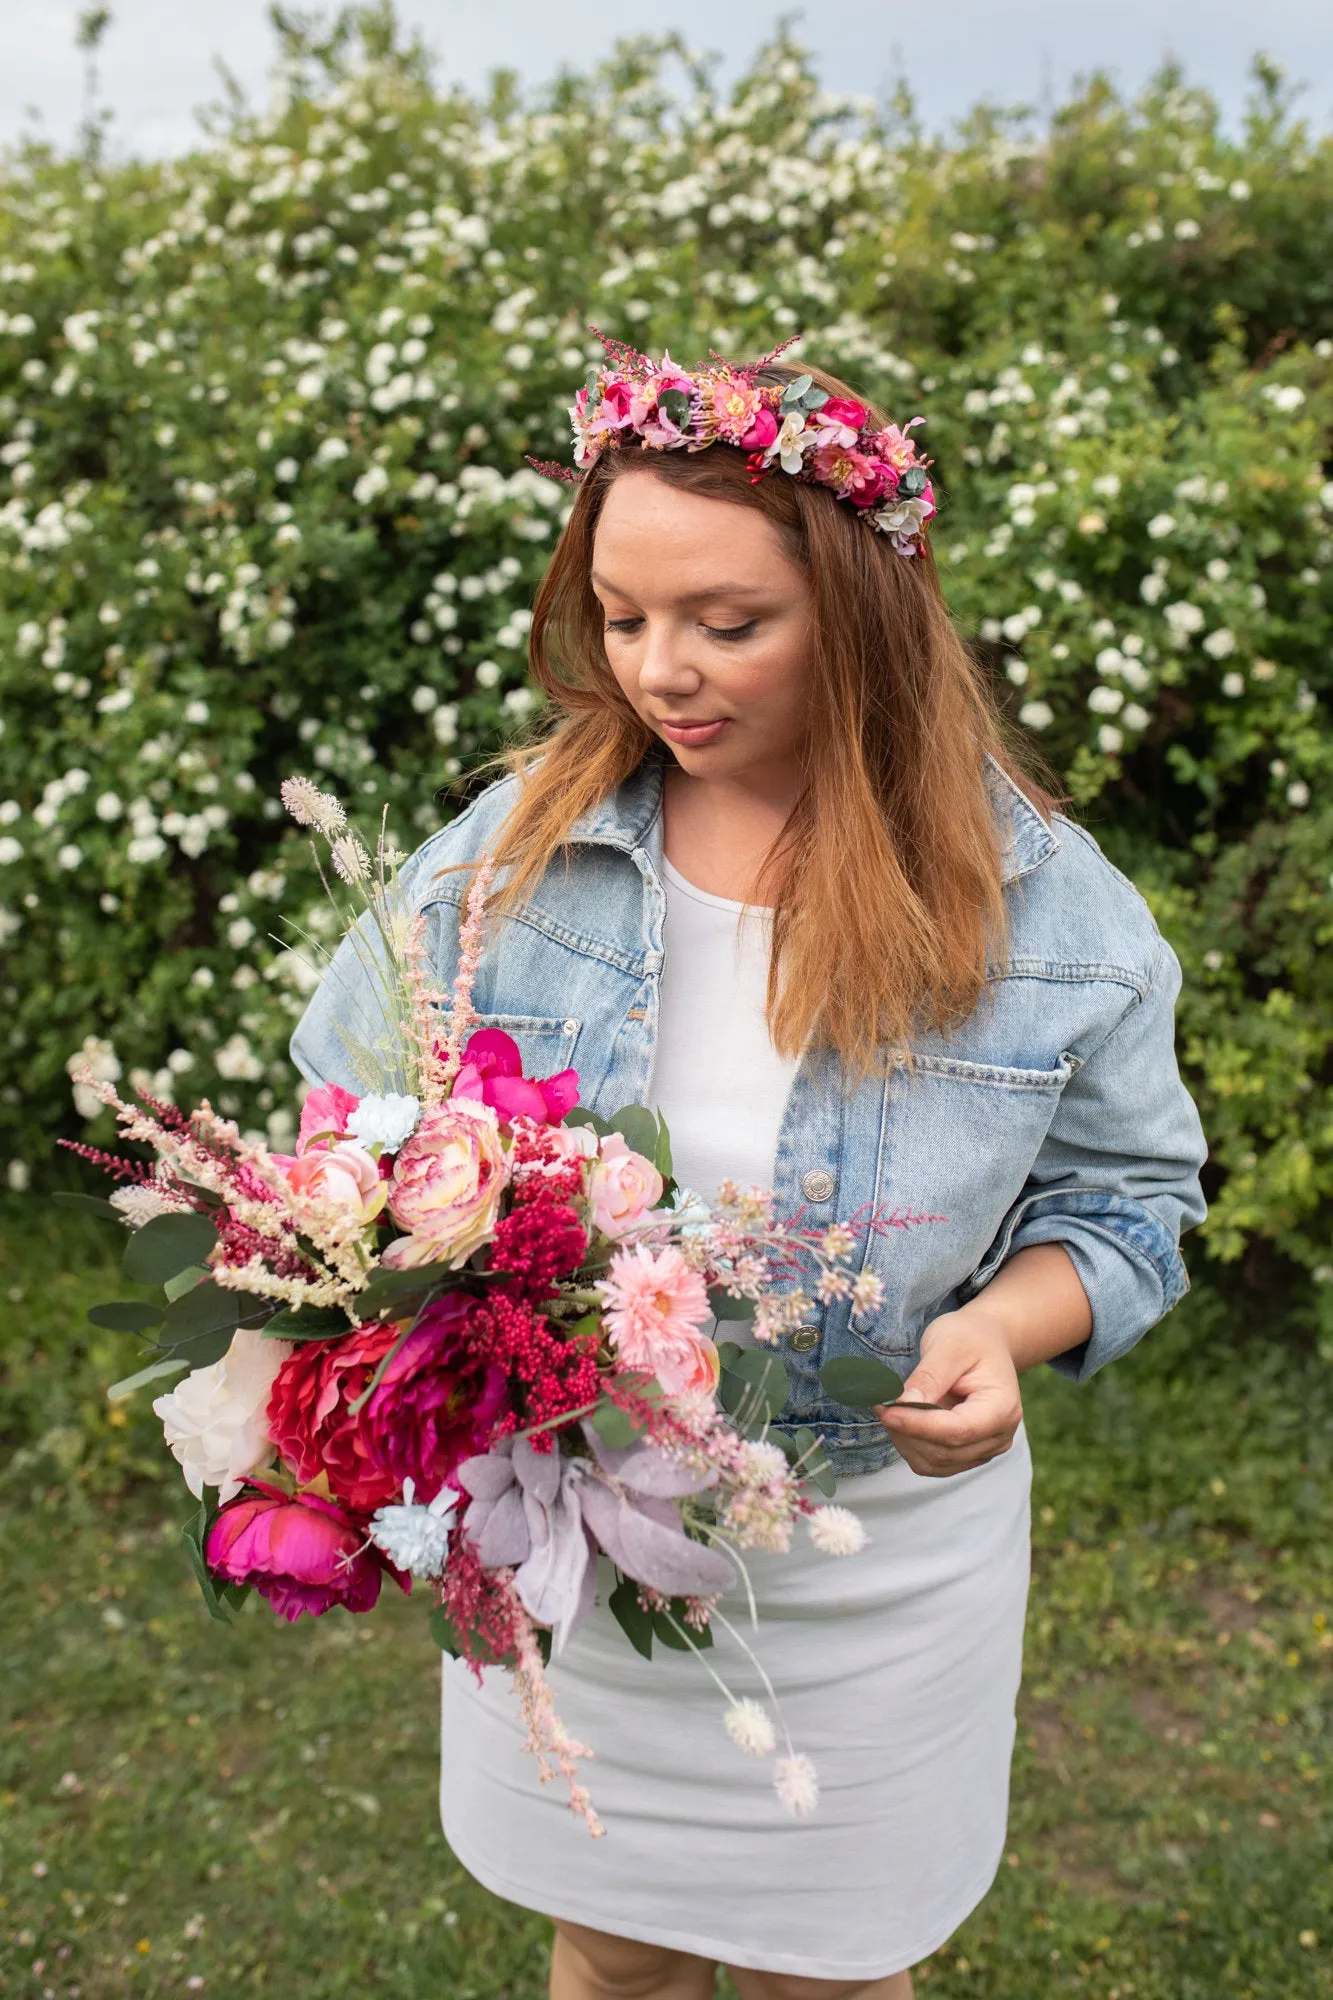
<point>706,621</point>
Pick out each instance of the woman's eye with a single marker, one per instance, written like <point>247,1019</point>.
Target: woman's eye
<point>731,631</point>
<point>623,624</point>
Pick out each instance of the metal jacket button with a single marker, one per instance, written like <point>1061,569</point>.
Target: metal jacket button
<point>804,1338</point>
<point>818,1184</point>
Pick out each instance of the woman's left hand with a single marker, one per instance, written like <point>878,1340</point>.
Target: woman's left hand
<point>966,1365</point>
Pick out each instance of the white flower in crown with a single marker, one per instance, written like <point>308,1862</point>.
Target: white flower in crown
<point>790,444</point>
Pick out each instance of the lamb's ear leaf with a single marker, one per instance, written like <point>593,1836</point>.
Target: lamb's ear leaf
<point>636,1623</point>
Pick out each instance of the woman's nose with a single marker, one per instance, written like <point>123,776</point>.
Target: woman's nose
<point>663,668</point>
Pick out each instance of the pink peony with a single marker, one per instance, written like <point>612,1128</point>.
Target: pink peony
<point>446,1186</point>
<point>437,1404</point>
<point>622,1186</point>
<point>492,1073</point>
<point>324,1116</point>
<point>762,431</point>
<point>851,474</point>
<point>300,1552</point>
<point>344,1175</point>
<point>654,1306</point>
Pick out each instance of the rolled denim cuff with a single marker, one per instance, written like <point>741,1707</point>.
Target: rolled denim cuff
<point>1127,1260</point>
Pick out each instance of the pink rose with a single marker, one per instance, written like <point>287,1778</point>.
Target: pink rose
<point>492,1073</point>
<point>324,1116</point>
<point>344,1175</point>
<point>761,432</point>
<point>446,1185</point>
<point>622,1187</point>
<point>878,480</point>
<point>300,1552</point>
<point>842,410</point>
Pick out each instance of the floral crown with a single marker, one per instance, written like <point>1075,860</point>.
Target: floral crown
<point>795,427</point>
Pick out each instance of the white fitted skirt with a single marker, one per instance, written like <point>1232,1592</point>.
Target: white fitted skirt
<point>897,1672</point>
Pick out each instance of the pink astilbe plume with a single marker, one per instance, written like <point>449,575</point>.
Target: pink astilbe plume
<point>462,1013</point>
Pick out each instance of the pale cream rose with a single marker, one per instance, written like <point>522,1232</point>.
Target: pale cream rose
<point>622,1187</point>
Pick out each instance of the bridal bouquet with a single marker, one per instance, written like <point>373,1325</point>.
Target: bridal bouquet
<point>461,1336</point>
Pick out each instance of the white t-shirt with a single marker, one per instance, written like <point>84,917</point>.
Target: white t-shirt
<point>718,1081</point>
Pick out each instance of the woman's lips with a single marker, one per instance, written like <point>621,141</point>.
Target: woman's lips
<point>692,735</point>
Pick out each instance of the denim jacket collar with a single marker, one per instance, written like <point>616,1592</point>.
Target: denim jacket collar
<point>629,818</point>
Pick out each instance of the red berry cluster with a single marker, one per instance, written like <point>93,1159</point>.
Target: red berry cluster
<point>539,1242</point>
<point>549,1374</point>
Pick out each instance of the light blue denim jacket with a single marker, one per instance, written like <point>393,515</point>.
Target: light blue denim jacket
<point>1055,1113</point>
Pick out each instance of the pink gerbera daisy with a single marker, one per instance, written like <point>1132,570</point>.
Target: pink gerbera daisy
<point>655,1305</point>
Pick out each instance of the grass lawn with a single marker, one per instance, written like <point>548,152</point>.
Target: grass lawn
<point>186,1809</point>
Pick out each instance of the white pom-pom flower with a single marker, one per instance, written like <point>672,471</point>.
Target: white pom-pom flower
<point>414,1537</point>
<point>837,1531</point>
<point>750,1727</point>
<point>216,1419</point>
<point>796,1785</point>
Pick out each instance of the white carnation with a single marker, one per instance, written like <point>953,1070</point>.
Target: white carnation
<point>415,1537</point>
<point>216,1419</point>
<point>385,1121</point>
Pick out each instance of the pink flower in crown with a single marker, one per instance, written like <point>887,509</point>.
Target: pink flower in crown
<point>446,1187</point>
<point>324,1116</point>
<point>654,1307</point>
<point>894,445</point>
<point>596,421</point>
<point>842,410</point>
<point>735,410</point>
<point>762,431</point>
<point>852,475</point>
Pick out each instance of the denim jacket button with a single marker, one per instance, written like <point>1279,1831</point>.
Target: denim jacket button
<point>804,1338</point>
<point>818,1184</point>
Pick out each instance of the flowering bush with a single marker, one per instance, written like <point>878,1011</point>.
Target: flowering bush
<point>263,504</point>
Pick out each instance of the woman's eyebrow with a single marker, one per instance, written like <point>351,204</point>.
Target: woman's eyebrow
<point>692,596</point>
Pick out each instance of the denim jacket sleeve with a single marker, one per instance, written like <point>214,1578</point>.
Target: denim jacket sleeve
<point>1117,1178</point>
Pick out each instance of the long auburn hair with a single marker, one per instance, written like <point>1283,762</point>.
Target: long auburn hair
<point>889,899</point>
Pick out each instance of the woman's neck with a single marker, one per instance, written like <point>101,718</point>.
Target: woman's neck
<point>720,832</point>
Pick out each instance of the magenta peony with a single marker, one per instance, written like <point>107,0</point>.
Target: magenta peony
<point>300,1552</point>
<point>492,1073</point>
<point>762,431</point>
<point>446,1186</point>
<point>842,410</point>
<point>437,1405</point>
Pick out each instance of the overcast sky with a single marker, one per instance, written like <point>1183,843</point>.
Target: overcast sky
<point>157,60</point>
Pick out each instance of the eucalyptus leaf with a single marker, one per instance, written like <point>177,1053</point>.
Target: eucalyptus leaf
<point>153,1373</point>
<point>208,1311</point>
<point>814,397</point>
<point>728,1352</point>
<point>445,1633</point>
<point>754,1387</point>
<point>399,1294</point>
<point>912,483</point>
<point>859,1381</point>
<point>792,394</point>
<point>125,1316</point>
<point>614,1426</point>
<point>166,1246</point>
<point>629,1614</point>
<point>637,1126</point>
<point>88,1204</point>
<point>726,1305</point>
<point>306,1323</point>
<point>675,404</point>
<point>580,1115</point>
<point>661,1153</point>
<point>814,1462</point>
<point>195,1537</point>
<point>184,1281</point>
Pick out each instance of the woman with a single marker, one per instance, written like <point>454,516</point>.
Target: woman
<point>775,872</point>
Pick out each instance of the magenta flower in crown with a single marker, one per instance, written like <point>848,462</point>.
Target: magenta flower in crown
<point>794,427</point>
